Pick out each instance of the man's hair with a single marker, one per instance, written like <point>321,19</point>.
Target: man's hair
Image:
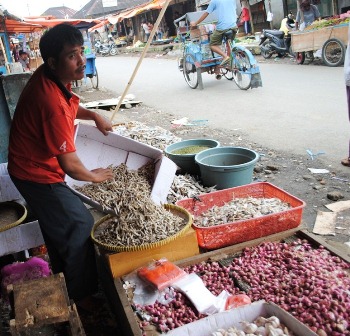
<point>53,41</point>
<point>21,52</point>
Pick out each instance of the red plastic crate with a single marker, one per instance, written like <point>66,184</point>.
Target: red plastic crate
<point>243,230</point>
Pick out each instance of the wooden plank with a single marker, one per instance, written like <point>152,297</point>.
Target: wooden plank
<point>131,324</point>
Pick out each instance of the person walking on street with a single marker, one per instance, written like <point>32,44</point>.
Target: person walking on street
<point>346,161</point>
<point>226,20</point>
<point>146,30</point>
<point>42,151</point>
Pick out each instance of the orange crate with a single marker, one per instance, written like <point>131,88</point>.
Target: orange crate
<point>243,230</point>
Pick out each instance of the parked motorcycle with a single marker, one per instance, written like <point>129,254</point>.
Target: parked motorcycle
<point>105,49</point>
<point>277,41</point>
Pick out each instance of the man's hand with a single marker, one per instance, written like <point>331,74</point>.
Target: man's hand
<point>193,24</point>
<point>102,174</point>
<point>103,124</point>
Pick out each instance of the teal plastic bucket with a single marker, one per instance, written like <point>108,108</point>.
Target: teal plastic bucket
<point>186,162</point>
<point>226,167</point>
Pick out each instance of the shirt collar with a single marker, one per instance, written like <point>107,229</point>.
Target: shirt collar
<point>50,75</point>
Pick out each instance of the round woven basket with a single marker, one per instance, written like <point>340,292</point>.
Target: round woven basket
<point>11,215</point>
<point>174,209</point>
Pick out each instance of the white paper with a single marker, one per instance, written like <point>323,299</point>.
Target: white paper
<point>318,171</point>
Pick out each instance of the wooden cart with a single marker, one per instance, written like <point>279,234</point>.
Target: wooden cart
<point>332,42</point>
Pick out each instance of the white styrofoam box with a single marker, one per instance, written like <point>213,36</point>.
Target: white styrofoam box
<point>21,237</point>
<point>206,326</point>
<point>8,191</point>
<point>97,150</point>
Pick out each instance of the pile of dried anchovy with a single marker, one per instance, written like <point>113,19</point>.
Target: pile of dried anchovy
<point>157,137</point>
<point>239,209</point>
<point>186,186</point>
<point>138,220</point>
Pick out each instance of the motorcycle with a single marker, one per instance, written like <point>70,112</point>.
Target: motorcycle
<point>277,41</point>
<point>105,49</point>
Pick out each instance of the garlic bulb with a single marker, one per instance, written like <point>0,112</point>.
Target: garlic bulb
<point>261,331</point>
<point>274,320</point>
<point>260,321</point>
<point>249,328</point>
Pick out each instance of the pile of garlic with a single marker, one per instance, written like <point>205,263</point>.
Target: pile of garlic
<point>262,326</point>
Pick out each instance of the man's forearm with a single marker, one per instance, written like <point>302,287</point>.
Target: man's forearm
<point>85,114</point>
<point>204,15</point>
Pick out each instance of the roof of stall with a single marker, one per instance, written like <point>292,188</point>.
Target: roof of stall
<point>13,26</point>
<point>48,23</point>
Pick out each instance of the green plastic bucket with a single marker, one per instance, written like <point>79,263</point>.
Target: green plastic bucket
<point>226,167</point>
<point>186,162</point>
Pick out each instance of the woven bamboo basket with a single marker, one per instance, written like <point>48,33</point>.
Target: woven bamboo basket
<point>11,215</point>
<point>174,209</point>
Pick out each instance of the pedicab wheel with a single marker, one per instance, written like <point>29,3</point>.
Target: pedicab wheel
<point>190,71</point>
<point>242,67</point>
<point>227,73</point>
<point>94,79</point>
<point>333,52</point>
<point>300,57</point>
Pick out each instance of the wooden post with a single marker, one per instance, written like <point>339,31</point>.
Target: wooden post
<point>5,56</point>
<point>155,27</point>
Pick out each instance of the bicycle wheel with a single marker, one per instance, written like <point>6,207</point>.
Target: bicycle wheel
<point>94,79</point>
<point>190,71</point>
<point>333,52</point>
<point>241,68</point>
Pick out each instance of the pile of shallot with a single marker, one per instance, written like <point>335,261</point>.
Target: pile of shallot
<point>262,326</point>
<point>310,283</point>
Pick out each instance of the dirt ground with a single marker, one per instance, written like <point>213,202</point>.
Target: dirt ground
<point>287,171</point>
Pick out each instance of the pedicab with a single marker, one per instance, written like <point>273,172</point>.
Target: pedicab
<point>198,58</point>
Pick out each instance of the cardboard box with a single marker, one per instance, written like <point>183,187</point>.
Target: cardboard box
<point>207,325</point>
<point>8,191</point>
<point>96,150</point>
<point>125,262</point>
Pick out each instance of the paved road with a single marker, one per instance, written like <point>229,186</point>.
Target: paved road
<point>298,107</point>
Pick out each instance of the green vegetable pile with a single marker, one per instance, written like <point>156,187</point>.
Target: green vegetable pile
<point>333,21</point>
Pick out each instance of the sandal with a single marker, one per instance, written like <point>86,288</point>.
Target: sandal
<point>345,162</point>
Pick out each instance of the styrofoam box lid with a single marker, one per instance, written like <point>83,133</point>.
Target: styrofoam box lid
<point>8,191</point>
<point>227,319</point>
<point>97,150</point>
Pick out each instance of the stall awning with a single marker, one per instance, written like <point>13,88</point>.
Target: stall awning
<point>13,26</point>
<point>79,23</point>
<point>126,14</point>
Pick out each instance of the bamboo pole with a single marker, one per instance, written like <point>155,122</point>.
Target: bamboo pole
<point>5,56</point>
<point>155,27</point>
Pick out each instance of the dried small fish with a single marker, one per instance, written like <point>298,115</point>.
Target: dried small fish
<point>138,219</point>
<point>157,137</point>
<point>240,209</point>
<point>186,186</point>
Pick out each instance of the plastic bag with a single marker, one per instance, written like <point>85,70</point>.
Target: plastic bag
<point>235,301</point>
<point>204,301</point>
<point>161,273</point>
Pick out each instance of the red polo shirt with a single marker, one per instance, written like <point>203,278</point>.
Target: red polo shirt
<point>42,128</point>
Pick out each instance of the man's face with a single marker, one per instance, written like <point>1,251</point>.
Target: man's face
<point>24,56</point>
<point>70,65</point>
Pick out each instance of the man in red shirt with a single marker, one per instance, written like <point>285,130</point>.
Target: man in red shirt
<point>42,151</point>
